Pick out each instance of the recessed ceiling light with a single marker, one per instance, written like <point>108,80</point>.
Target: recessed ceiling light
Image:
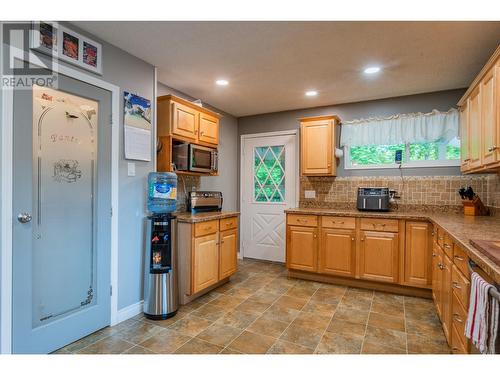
<point>222,82</point>
<point>311,93</point>
<point>372,70</point>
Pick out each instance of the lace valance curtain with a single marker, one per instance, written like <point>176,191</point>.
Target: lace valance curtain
<point>401,128</point>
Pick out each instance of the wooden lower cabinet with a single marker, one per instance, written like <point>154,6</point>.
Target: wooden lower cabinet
<point>437,276</point>
<point>205,267</point>
<point>446,297</point>
<point>379,256</point>
<point>417,254</point>
<point>301,249</point>
<point>228,255</point>
<point>337,252</point>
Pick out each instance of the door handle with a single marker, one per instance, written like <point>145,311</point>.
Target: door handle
<point>24,217</point>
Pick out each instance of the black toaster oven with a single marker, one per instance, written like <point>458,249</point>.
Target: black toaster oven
<point>373,199</point>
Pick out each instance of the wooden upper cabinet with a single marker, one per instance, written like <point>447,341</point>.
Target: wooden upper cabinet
<point>480,120</point>
<point>208,129</point>
<point>489,123</point>
<point>475,129</point>
<point>317,146</point>
<point>228,253</point>
<point>464,138</point>
<point>302,248</point>
<point>417,254</point>
<point>205,262</point>
<point>186,121</point>
<point>337,252</point>
<point>379,256</point>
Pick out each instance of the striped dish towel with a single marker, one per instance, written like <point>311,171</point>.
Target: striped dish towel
<point>482,320</point>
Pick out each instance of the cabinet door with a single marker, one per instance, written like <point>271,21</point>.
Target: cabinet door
<point>337,252</point>
<point>417,255</point>
<point>228,253</point>
<point>464,137</point>
<point>446,297</point>
<point>474,125</point>
<point>208,129</point>
<point>317,148</point>
<point>302,248</point>
<point>489,119</point>
<point>184,121</point>
<point>205,262</point>
<point>437,276</point>
<point>379,256</point>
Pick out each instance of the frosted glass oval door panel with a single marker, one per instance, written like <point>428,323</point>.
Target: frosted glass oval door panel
<point>61,255</point>
<point>64,160</point>
<point>268,187</point>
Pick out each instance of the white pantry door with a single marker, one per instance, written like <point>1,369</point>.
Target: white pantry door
<point>268,187</point>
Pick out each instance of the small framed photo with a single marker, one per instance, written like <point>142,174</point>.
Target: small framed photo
<point>71,46</point>
<point>66,45</point>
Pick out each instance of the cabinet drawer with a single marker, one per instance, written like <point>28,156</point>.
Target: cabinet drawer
<point>457,346</point>
<point>460,286</point>
<point>384,225</point>
<point>338,222</point>
<point>303,220</point>
<point>461,260</point>
<point>206,227</point>
<point>448,245</point>
<point>458,319</point>
<point>229,223</point>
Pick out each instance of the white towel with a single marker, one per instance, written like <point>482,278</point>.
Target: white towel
<point>482,320</point>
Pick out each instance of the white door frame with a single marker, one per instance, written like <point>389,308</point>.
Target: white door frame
<point>244,137</point>
<point>6,212</point>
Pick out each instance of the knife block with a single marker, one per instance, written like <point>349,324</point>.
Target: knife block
<point>474,207</point>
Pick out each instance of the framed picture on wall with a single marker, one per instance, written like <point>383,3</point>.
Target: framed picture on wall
<point>61,42</point>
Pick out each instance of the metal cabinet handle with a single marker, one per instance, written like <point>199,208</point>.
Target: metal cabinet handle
<point>447,246</point>
<point>434,255</point>
<point>457,318</point>
<point>24,217</point>
<point>440,238</point>
<point>456,285</point>
<point>492,148</point>
<point>458,257</point>
<point>352,238</point>
<point>441,267</point>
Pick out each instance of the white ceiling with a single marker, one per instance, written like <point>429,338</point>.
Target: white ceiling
<point>271,64</point>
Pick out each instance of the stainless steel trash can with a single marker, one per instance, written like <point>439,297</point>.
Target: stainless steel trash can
<point>161,294</point>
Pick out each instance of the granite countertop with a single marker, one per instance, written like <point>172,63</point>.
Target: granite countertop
<point>461,229</point>
<point>188,217</point>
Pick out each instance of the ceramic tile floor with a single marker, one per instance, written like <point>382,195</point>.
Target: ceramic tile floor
<point>262,311</point>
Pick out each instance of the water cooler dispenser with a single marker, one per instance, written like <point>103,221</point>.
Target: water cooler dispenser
<point>160,285</point>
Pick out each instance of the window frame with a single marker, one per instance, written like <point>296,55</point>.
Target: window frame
<point>409,164</point>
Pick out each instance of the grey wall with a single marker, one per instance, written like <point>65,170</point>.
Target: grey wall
<point>136,76</point>
<point>227,180</point>
<point>442,100</point>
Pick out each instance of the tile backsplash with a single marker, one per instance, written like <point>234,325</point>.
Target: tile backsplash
<point>184,184</point>
<point>416,192</point>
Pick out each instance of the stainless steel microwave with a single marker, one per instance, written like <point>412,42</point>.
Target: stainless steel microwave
<point>194,158</point>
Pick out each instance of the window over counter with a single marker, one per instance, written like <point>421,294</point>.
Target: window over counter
<point>423,154</point>
<point>425,140</point>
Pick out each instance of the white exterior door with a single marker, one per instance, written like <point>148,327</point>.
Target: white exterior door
<point>268,187</point>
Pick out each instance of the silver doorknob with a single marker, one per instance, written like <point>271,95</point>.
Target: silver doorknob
<point>24,217</point>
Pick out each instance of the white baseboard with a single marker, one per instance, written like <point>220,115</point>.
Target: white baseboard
<point>240,255</point>
<point>130,311</point>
